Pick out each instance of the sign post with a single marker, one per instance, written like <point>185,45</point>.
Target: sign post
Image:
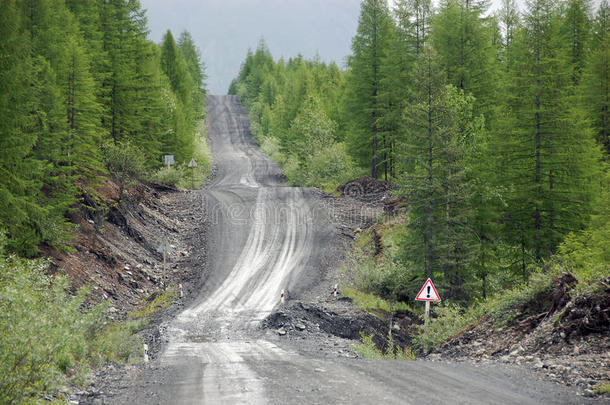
<point>428,294</point>
<point>193,165</point>
<point>168,160</point>
<point>165,248</point>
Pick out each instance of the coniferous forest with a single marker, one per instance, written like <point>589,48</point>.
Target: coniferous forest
<point>87,101</point>
<point>83,95</point>
<point>492,128</point>
<point>493,124</point>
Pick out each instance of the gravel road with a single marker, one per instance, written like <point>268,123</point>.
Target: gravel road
<point>265,237</point>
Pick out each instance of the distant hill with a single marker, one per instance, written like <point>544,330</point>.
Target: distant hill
<point>225,29</point>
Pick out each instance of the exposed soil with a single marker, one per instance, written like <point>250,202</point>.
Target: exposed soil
<point>331,327</point>
<point>115,252</point>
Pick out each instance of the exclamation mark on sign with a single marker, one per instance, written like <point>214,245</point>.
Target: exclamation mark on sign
<point>428,292</point>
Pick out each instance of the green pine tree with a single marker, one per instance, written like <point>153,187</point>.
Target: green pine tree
<point>596,80</point>
<point>370,47</point>
<point>544,149</point>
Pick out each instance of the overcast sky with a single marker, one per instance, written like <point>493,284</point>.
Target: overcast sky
<point>225,29</point>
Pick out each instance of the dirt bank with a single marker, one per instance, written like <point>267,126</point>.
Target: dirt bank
<point>566,339</point>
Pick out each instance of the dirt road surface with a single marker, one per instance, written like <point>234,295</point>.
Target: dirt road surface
<point>265,237</point>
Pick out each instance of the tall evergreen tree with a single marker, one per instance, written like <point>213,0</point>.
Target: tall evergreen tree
<point>370,47</point>
<point>575,29</point>
<point>19,171</point>
<point>508,15</point>
<point>196,68</point>
<point>68,142</point>
<point>439,127</point>
<point>596,81</point>
<point>546,154</point>
<point>464,41</point>
<point>412,26</point>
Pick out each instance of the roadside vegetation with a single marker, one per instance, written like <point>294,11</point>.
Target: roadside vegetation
<point>183,176</point>
<point>154,304</point>
<point>493,125</point>
<point>49,336</point>
<point>368,349</point>
<point>80,81</point>
<point>86,98</point>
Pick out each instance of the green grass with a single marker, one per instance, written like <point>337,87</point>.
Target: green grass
<point>602,388</point>
<point>367,349</point>
<point>371,302</point>
<point>159,303</point>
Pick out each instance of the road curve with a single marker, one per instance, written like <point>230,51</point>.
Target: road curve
<point>264,238</point>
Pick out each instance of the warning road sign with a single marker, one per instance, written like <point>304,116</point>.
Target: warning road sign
<point>428,292</point>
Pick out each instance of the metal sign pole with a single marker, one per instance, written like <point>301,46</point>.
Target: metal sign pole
<point>164,267</point>
<point>164,248</point>
<point>427,293</point>
<point>193,165</point>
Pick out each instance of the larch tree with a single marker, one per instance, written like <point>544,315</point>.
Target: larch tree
<point>464,41</point>
<point>546,155</point>
<point>370,47</point>
<point>412,28</point>
<point>508,16</point>
<point>439,127</point>
<point>196,67</point>
<point>596,81</point>
<point>576,30</point>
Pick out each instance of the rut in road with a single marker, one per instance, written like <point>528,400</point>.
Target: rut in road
<point>247,196</point>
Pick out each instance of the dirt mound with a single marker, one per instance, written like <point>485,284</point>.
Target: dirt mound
<point>587,314</point>
<point>366,187</point>
<point>564,335</point>
<point>340,319</point>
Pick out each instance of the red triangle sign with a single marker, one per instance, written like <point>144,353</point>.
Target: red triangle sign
<point>428,292</point>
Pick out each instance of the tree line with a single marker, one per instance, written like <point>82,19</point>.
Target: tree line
<point>81,82</point>
<point>494,125</point>
<point>296,116</point>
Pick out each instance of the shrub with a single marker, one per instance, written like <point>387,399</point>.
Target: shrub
<point>125,162</point>
<point>295,171</point>
<point>380,275</point>
<point>47,336</point>
<point>271,147</point>
<point>169,176</point>
<point>372,303</point>
<point>158,303</point>
<point>185,177</point>
<point>329,167</point>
